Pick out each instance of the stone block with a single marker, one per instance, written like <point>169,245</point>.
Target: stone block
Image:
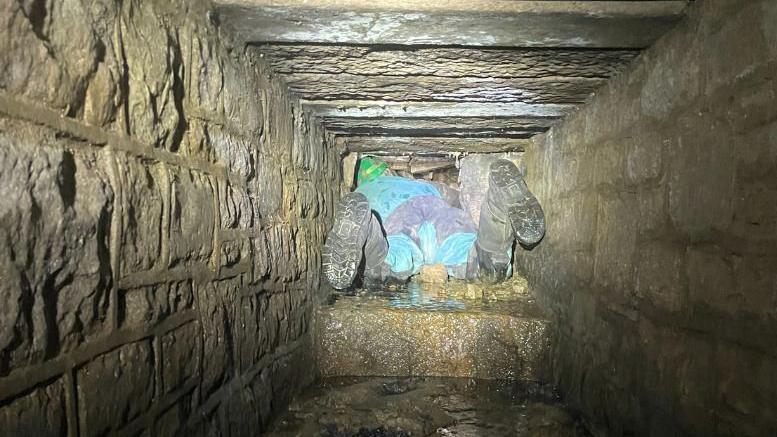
<point>46,58</point>
<point>192,217</point>
<point>615,244</point>
<point>170,423</point>
<point>755,196</point>
<point>239,94</point>
<point>261,387</point>
<point>571,172</point>
<point>572,223</point>
<point>252,337</point>
<point>711,279</point>
<point>402,337</point>
<point>661,275</point>
<point>739,30</point>
<point>235,252</point>
<point>141,234</point>
<point>609,161</point>
<point>755,213</point>
<point>218,322</point>
<point>281,240</point>
<point>756,155</point>
<point>208,81</point>
<point>115,388</point>
<point>768,16</point>
<point>149,305</point>
<point>55,224</point>
<point>679,375</point>
<point>644,155</point>
<point>154,76</point>
<point>104,93</point>
<point>41,412</point>
<point>574,267</point>
<point>234,151</point>
<point>266,190</point>
<point>701,174</point>
<point>181,355</point>
<point>274,314</point>
<point>240,415</point>
<point>749,100</point>
<point>175,419</point>
<point>672,79</point>
<point>236,208</point>
<point>746,390</point>
<point>261,258</point>
<point>755,277</point>
<point>653,216</point>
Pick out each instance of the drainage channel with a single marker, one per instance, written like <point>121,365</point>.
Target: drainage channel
<point>427,406</point>
<point>446,359</point>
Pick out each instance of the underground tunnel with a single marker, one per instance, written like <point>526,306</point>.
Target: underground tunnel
<point>171,173</point>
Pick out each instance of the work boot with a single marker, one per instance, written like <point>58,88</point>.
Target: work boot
<point>509,197</point>
<point>375,250</point>
<point>509,212</point>
<point>492,266</point>
<point>342,252</point>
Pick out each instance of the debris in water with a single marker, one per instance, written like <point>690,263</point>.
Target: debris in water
<point>358,407</point>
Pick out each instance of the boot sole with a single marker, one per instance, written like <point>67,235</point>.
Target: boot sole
<point>524,211</point>
<point>342,251</point>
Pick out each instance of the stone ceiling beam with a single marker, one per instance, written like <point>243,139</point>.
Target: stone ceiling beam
<point>388,109</point>
<point>475,127</point>
<point>432,145</point>
<point>444,62</point>
<point>442,89</point>
<point>504,23</point>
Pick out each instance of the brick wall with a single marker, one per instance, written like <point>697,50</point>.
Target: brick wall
<point>660,261</point>
<point>162,206</point>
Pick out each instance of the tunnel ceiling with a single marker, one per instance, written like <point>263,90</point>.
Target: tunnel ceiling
<point>398,76</point>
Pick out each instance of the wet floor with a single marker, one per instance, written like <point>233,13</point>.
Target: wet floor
<point>452,295</point>
<point>425,406</point>
<point>456,329</point>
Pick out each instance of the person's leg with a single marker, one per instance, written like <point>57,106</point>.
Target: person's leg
<point>356,231</point>
<point>375,251</point>
<point>510,211</point>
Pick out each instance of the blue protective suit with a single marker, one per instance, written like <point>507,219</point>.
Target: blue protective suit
<point>421,227</point>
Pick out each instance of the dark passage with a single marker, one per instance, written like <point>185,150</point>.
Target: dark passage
<point>170,172</point>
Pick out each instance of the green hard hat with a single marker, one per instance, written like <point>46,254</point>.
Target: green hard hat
<point>370,168</point>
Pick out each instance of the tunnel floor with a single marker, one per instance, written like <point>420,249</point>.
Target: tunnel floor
<point>454,329</point>
<point>423,359</point>
<point>427,406</point>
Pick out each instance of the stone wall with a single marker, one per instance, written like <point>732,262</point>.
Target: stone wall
<point>660,261</point>
<point>162,206</point>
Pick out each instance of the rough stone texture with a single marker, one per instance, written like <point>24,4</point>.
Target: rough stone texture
<point>434,145</point>
<point>160,192</point>
<point>659,260</point>
<point>476,23</point>
<point>43,411</point>
<point>115,388</point>
<point>444,61</point>
<point>419,335</point>
<point>54,227</point>
<point>453,76</point>
<point>427,406</point>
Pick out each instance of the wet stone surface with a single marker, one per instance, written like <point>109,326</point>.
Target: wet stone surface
<point>427,406</point>
<point>455,329</point>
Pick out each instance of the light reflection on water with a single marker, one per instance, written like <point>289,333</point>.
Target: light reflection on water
<point>418,295</point>
<point>454,295</point>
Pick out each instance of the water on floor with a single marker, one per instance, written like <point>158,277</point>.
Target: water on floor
<point>448,296</point>
<point>456,329</point>
<point>426,406</point>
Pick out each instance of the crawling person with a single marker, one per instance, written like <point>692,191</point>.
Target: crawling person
<point>399,225</point>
